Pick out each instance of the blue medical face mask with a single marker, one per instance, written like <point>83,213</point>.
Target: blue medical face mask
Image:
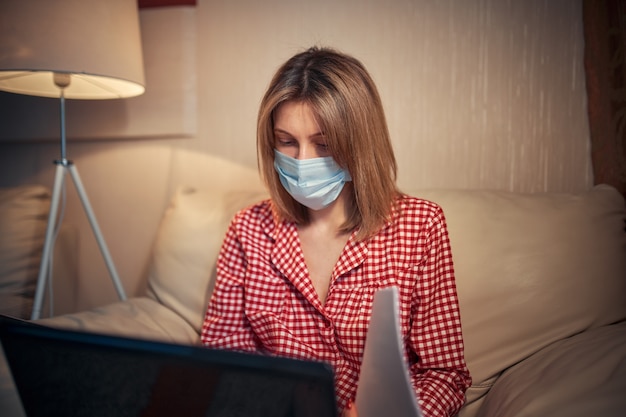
<point>314,183</point>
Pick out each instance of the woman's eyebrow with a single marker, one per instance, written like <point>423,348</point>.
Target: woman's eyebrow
<point>314,135</point>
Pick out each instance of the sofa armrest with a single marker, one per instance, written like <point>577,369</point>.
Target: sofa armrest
<point>584,375</point>
<point>10,403</point>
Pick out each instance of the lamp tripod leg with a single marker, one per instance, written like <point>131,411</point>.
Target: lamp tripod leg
<point>48,242</point>
<point>96,231</point>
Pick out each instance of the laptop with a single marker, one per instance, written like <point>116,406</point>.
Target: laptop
<point>69,373</point>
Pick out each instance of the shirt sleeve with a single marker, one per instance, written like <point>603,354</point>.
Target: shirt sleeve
<point>440,375</point>
<point>225,324</point>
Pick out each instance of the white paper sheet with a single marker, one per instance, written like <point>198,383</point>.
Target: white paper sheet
<point>385,387</point>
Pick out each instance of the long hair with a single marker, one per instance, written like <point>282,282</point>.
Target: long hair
<point>347,106</point>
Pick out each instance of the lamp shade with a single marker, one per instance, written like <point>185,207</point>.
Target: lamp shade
<point>96,42</point>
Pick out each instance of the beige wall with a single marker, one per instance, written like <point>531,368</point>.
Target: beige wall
<point>478,94</point>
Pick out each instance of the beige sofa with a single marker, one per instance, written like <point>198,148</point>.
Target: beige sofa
<point>541,281</point>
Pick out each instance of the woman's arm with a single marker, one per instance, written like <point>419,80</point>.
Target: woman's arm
<point>440,375</point>
<point>225,324</point>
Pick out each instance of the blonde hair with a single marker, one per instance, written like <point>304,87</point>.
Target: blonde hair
<point>348,108</point>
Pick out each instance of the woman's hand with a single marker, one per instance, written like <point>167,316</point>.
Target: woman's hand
<point>350,410</point>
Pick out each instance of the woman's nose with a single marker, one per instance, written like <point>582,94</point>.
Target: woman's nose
<point>306,152</point>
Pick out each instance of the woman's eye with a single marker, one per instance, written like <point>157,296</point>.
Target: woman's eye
<point>285,142</point>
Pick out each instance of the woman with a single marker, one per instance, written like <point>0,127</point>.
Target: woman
<point>297,273</point>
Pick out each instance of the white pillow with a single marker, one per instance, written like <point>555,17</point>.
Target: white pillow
<point>186,248</point>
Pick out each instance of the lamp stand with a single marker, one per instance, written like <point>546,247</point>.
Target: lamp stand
<point>63,165</point>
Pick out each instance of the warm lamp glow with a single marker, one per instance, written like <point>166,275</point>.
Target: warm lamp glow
<point>81,49</point>
<point>82,86</point>
<point>97,42</point>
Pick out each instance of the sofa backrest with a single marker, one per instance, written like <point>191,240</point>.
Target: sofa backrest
<point>531,268</point>
<point>22,227</point>
<point>23,220</point>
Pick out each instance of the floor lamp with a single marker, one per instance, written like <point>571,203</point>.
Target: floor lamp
<point>74,49</point>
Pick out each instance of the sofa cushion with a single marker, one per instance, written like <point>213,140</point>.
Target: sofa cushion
<point>186,248</point>
<point>23,219</point>
<point>532,269</point>
<point>137,317</point>
<point>581,376</point>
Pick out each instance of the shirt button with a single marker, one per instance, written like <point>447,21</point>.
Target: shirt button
<point>327,330</point>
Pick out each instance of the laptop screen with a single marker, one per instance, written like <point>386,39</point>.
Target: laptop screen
<point>68,373</point>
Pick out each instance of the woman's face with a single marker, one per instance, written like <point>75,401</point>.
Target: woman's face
<point>297,133</point>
